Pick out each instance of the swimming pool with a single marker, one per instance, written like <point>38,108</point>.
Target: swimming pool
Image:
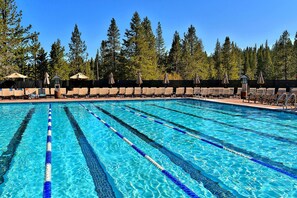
<point>153,148</point>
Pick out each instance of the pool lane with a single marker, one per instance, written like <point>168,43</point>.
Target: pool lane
<point>192,104</point>
<point>188,167</point>
<point>148,129</point>
<point>264,161</point>
<point>272,136</point>
<point>7,156</point>
<point>175,180</point>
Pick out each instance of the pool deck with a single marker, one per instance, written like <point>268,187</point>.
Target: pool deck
<point>234,101</point>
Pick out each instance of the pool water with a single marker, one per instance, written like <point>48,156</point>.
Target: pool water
<point>207,149</point>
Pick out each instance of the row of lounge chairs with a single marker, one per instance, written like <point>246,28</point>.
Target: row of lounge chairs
<point>269,96</point>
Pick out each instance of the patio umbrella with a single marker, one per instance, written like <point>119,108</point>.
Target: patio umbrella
<point>46,80</point>
<point>110,79</point>
<point>166,79</point>
<point>196,80</point>
<point>139,80</point>
<point>225,80</point>
<point>79,76</point>
<point>16,76</point>
<point>260,79</point>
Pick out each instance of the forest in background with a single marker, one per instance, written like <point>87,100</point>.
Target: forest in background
<point>142,49</point>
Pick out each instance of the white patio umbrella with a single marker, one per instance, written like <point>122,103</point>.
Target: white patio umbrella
<point>79,76</point>
<point>225,80</point>
<point>110,79</point>
<point>46,80</point>
<point>139,80</point>
<point>16,76</point>
<point>196,80</point>
<point>260,80</point>
<point>166,79</point>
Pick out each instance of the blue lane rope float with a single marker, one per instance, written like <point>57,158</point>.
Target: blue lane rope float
<point>175,180</point>
<point>212,143</point>
<point>47,191</point>
<point>275,137</point>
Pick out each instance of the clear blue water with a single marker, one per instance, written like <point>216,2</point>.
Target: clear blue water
<point>264,135</point>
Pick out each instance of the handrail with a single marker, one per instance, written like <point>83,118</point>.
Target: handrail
<point>280,97</point>
<point>293,96</point>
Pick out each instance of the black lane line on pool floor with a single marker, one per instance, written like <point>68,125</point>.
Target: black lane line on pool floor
<point>189,104</point>
<point>187,166</point>
<point>7,156</point>
<point>292,172</point>
<point>102,183</point>
<point>275,137</point>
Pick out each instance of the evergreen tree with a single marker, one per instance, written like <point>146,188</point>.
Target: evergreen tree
<point>14,38</point>
<point>294,62</point>
<point>267,64</point>
<point>175,53</point>
<point>103,71</point>
<point>229,61</point>
<point>217,61</point>
<point>113,48</point>
<point>42,63</point>
<point>77,52</point>
<point>160,47</point>
<point>96,65</point>
<point>57,63</point>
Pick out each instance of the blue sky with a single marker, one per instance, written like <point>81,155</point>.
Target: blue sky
<point>247,22</point>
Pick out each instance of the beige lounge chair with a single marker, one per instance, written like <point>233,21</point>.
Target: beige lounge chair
<point>189,91</point>
<point>144,91</point>
<point>18,93</point>
<point>160,91</point>
<point>197,91</point>
<point>150,92</point>
<point>270,92</point>
<point>180,91</point>
<point>122,91</point>
<point>204,92</point>
<point>94,92</point>
<point>63,91</point>
<point>137,91</point>
<point>113,92</point>
<point>257,95</point>
<point>48,92</point>
<point>7,93</point>
<point>83,92</point>
<point>31,93</point>
<point>69,94</point>
<point>129,92</point>
<point>238,92</point>
<point>103,92</point>
<point>75,91</point>
<point>168,92</point>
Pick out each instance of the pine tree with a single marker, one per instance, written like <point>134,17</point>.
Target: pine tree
<point>57,63</point>
<point>217,61</point>
<point>97,64</point>
<point>77,52</point>
<point>42,63</point>
<point>160,47</point>
<point>174,58</point>
<point>113,48</point>
<point>14,38</point>
<point>267,65</point>
<point>294,62</point>
<point>103,71</point>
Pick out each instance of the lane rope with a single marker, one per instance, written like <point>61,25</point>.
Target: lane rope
<point>48,159</point>
<point>139,151</point>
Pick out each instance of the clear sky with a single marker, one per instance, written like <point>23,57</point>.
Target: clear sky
<point>247,22</point>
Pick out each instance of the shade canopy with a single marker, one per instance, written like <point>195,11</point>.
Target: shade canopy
<point>166,79</point>
<point>79,76</point>
<point>16,76</point>
<point>110,79</point>
<point>196,80</point>
<point>139,80</point>
<point>260,80</point>
<point>46,80</point>
<point>225,80</point>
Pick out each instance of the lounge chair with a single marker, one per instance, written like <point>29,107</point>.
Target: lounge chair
<point>113,92</point>
<point>7,93</point>
<point>268,94</point>
<point>41,93</point>
<point>83,92</point>
<point>103,92</point>
<point>69,94</point>
<point>75,91</point>
<point>257,95</point>
<point>197,91</point>
<point>63,92</point>
<point>48,92</point>
<point>159,92</point>
<point>279,97</point>
<point>18,93</point>
<point>150,92</point>
<point>180,91</point>
<point>168,92</point>
<point>94,92</point>
<point>238,92</point>
<point>137,92</point>
<point>122,91</point>
<point>31,93</point>
<point>129,91</point>
<point>189,92</point>
<point>204,92</point>
<point>144,91</point>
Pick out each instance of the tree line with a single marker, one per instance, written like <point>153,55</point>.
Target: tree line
<point>142,49</point>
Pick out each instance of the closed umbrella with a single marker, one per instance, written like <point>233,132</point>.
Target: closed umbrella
<point>225,80</point>
<point>139,80</point>
<point>166,79</point>
<point>46,80</point>
<point>110,79</point>
<point>196,80</point>
<point>260,79</point>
